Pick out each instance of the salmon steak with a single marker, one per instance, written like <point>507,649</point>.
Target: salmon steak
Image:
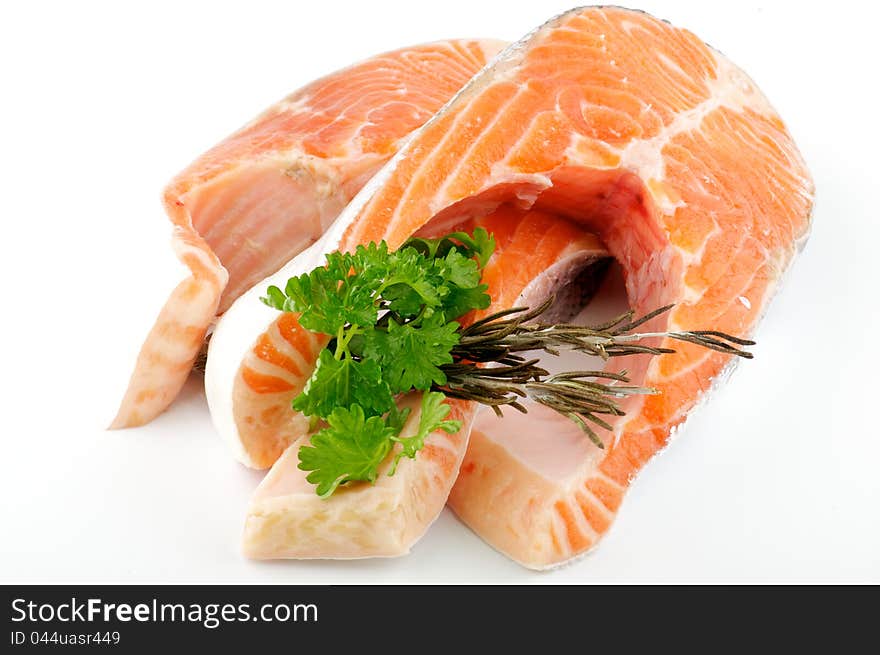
<point>248,205</point>
<point>603,134</point>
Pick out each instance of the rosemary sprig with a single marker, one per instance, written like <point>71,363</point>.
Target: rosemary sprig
<point>487,368</point>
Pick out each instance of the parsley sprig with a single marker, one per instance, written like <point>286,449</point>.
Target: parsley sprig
<point>391,316</point>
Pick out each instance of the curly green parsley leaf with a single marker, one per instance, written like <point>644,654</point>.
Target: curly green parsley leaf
<point>411,284</point>
<point>410,354</point>
<point>326,297</point>
<point>352,448</point>
<point>460,301</point>
<point>344,383</point>
<point>458,269</point>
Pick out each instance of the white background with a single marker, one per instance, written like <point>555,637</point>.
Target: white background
<point>774,480</point>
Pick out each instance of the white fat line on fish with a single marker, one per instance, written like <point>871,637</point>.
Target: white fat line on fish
<point>597,502</point>
<point>731,89</point>
<point>486,129</point>
<point>287,105</point>
<point>595,474</point>
<point>691,296</point>
<point>508,57</point>
<point>688,258</point>
<point>579,517</point>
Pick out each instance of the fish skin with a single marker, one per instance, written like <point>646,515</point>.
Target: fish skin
<point>659,144</point>
<point>251,203</point>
